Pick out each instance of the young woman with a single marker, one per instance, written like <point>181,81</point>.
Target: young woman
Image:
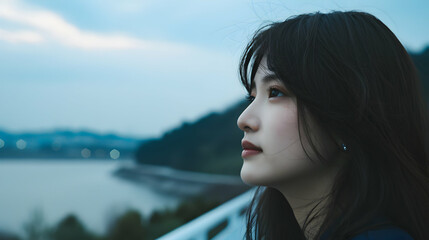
<point>336,132</point>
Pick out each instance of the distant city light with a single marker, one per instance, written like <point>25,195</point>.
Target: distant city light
<point>114,154</point>
<point>1,143</point>
<point>86,153</point>
<point>21,144</point>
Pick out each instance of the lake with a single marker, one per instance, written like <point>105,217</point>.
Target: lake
<point>85,188</point>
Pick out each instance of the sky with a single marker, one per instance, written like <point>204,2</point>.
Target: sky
<point>139,68</point>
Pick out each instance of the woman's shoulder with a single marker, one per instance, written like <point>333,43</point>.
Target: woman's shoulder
<point>393,233</point>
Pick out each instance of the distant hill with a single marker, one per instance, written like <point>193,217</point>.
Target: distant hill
<point>212,143</point>
<point>66,144</point>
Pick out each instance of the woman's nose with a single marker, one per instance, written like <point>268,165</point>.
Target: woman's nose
<point>248,121</point>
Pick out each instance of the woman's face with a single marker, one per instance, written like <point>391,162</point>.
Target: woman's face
<point>270,123</point>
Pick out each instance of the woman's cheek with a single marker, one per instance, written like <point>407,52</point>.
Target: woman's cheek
<point>283,126</point>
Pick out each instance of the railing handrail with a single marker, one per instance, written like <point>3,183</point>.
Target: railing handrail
<point>199,227</point>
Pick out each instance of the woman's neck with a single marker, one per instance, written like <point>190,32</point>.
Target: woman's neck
<point>308,196</point>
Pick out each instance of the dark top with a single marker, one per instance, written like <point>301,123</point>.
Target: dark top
<point>387,232</point>
<point>393,233</point>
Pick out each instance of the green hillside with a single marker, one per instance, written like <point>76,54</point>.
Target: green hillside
<point>212,143</point>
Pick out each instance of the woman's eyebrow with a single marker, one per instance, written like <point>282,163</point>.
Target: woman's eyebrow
<point>266,79</point>
<point>269,78</point>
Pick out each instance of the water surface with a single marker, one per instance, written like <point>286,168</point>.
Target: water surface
<point>86,188</point>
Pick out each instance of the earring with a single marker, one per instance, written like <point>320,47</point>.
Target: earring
<point>344,147</point>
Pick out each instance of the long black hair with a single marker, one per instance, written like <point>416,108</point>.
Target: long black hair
<point>351,73</point>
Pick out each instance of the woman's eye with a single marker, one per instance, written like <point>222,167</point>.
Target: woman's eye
<point>274,92</point>
<point>250,98</point>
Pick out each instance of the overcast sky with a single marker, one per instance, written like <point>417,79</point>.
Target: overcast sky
<point>142,67</point>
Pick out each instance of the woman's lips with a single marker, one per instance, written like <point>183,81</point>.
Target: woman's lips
<point>249,152</point>
<point>249,149</point>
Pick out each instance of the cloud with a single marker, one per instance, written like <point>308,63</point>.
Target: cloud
<point>20,36</point>
<point>47,24</point>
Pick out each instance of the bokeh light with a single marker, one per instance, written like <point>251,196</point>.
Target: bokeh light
<point>86,153</point>
<point>21,144</point>
<point>114,154</point>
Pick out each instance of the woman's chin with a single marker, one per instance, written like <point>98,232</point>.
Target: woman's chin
<point>253,177</point>
<point>247,177</point>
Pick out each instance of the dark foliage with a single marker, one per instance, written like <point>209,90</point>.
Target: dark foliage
<point>128,226</point>
<point>6,236</point>
<point>70,228</point>
<point>162,222</point>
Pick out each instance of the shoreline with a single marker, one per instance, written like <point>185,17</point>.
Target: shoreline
<point>181,183</point>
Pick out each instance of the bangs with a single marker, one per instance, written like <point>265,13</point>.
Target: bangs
<point>279,43</point>
<point>252,56</point>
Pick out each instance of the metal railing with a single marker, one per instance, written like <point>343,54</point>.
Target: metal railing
<point>231,213</point>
